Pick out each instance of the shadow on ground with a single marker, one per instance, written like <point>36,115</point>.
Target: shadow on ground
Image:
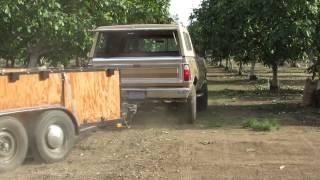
<point>234,99</point>
<point>219,116</point>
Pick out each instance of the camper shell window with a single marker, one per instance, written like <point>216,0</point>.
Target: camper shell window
<point>137,44</point>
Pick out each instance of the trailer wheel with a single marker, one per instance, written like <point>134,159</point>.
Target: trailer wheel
<point>53,136</point>
<point>13,143</point>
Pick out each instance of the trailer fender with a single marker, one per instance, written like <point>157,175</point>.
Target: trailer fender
<point>38,110</point>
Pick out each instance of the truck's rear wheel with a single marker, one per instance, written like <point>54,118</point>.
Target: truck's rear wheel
<point>202,101</point>
<point>13,143</point>
<point>53,136</point>
<point>191,107</point>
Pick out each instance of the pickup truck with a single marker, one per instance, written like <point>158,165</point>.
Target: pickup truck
<point>157,62</point>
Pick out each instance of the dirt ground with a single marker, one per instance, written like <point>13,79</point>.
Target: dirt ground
<point>159,146</point>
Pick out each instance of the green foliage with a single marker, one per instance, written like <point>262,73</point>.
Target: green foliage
<point>58,29</point>
<point>261,125</point>
<point>268,31</point>
<point>218,27</point>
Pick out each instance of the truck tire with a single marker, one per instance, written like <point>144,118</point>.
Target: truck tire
<point>13,143</point>
<point>191,107</point>
<point>202,101</point>
<point>53,137</point>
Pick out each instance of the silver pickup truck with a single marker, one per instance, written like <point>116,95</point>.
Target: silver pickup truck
<point>157,62</point>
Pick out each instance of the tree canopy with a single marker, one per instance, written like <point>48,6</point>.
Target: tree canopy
<point>58,29</point>
<point>249,30</point>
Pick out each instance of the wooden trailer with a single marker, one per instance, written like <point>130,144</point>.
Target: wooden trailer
<point>45,111</point>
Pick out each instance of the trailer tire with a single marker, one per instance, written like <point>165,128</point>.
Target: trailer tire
<point>13,143</point>
<point>53,137</point>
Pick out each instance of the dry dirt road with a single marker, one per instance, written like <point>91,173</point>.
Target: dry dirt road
<point>186,153</point>
<point>216,147</point>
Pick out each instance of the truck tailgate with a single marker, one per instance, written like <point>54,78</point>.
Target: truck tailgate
<point>146,71</point>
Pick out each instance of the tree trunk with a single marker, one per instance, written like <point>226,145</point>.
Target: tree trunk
<point>12,63</point>
<point>33,60</point>
<point>309,92</point>
<point>227,65</point>
<point>240,68</point>
<point>274,83</point>
<point>35,52</point>
<point>7,63</point>
<point>78,62</point>
<point>220,63</point>
<point>253,76</point>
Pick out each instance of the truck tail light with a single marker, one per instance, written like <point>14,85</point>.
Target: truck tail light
<point>186,72</point>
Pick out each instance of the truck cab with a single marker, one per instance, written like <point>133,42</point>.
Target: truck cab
<point>156,61</point>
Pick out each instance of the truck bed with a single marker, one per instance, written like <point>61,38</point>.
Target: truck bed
<point>146,71</point>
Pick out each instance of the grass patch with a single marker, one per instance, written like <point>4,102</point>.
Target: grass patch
<point>261,125</point>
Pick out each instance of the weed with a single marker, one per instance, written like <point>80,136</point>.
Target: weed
<point>261,125</point>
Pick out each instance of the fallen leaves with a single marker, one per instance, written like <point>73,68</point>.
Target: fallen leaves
<point>250,150</point>
<point>207,142</point>
<point>282,167</point>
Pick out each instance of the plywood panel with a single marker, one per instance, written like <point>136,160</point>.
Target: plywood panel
<point>90,96</point>
<point>29,91</point>
<point>93,95</point>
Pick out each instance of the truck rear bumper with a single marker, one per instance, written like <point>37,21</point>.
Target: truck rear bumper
<point>155,93</point>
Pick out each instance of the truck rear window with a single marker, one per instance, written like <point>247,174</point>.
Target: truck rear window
<point>137,44</point>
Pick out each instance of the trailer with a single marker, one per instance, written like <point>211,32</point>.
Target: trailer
<point>45,111</point>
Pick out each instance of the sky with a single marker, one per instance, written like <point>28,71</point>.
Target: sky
<point>183,8</point>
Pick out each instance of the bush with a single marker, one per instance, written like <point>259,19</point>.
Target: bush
<point>261,125</point>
